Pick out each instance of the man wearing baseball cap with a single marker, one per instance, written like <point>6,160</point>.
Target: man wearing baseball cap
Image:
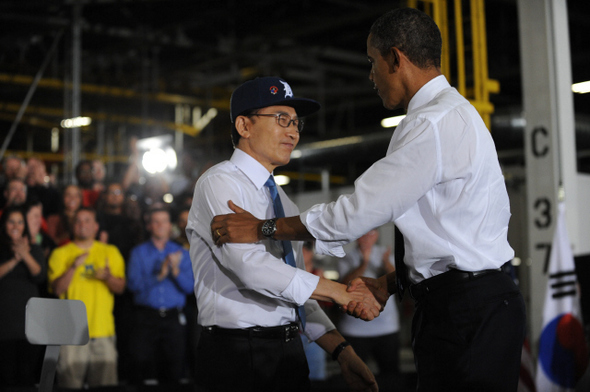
<point>255,299</point>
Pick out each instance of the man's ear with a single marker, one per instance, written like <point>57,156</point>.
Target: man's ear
<point>393,59</point>
<point>243,126</point>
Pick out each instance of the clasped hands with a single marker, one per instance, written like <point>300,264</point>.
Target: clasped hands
<point>369,298</point>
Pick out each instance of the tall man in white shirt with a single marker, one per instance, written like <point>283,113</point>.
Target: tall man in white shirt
<point>442,186</point>
<point>248,297</point>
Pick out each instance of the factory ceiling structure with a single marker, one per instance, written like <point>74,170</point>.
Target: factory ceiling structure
<point>151,67</point>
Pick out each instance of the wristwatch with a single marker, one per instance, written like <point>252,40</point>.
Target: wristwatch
<point>269,228</point>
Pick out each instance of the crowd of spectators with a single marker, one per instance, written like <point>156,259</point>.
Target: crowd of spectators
<point>38,217</point>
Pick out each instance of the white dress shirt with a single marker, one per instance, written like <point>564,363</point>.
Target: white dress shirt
<point>246,285</point>
<point>440,182</point>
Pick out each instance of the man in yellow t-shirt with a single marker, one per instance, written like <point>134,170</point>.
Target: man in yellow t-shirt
<point>92,272</point>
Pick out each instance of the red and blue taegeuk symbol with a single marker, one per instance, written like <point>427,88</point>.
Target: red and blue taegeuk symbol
<point>274,90</point>
<point>562,350</point>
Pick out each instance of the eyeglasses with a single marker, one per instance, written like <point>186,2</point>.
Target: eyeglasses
<point>284,120</point>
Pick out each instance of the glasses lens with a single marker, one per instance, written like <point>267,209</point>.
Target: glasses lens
<point>285,121</point>
<point>299,124</point>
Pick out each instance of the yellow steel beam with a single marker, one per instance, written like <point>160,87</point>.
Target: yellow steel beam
<point>58,84</point>
<point>8,107</point>
<point>31,120</point>
<point>477,49</point>
<point>478,93</point>
<point>460,45</point>
<point>440,12</point>
<point>59,157</point>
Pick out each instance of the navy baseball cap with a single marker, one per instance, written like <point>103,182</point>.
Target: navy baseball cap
<point>268,91</point>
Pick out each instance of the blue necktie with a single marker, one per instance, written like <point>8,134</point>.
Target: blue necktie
<point>287,247</point>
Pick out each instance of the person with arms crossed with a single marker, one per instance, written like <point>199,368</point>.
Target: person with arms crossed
<point>92,272</point>
<point>441,184</point>
<point>250,297</point>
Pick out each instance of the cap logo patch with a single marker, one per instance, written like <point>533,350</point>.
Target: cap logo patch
<point>274,90</point>
<point>288,91</point>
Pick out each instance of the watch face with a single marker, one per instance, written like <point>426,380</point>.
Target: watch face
<point>269,228</point>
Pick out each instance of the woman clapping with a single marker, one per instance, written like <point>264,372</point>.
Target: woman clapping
<point>22,269</point>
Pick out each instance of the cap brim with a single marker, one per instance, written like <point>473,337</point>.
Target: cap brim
<point>303,106</point>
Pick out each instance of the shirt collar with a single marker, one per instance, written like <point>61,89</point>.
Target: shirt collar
<point>428,92</point>
<point>253,169</point>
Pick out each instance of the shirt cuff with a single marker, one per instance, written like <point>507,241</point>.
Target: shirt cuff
<point>301,287</point>
<point>331,248</point>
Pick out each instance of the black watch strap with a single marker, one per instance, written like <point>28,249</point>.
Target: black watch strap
<point>339,349</point>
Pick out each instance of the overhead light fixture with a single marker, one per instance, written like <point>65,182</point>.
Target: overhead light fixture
<point>168,198</point>
<point>156,160</point>
<point>581,88</point>
<point>157,154</point>
<point>391,122</point>
<point>76,122</point>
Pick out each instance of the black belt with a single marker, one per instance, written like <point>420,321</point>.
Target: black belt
<point>420,290</point>
<point>286,332</point>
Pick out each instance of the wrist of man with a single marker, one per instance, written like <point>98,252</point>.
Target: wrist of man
<point>391,283</point>
<point>338,353</point>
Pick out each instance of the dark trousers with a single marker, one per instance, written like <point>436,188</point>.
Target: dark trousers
<point>234,363</point>
<point>383,349</point>
<point>158,346</point>
<point>469,336</point>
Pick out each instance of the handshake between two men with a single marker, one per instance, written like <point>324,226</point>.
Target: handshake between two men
<point>363,298</point>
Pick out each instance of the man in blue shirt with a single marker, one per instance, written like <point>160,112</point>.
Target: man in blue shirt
<point>160,276</point>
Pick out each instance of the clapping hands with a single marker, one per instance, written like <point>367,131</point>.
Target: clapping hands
<point>21,248</point>
<point>171,265</point>
<point>103,273</point>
